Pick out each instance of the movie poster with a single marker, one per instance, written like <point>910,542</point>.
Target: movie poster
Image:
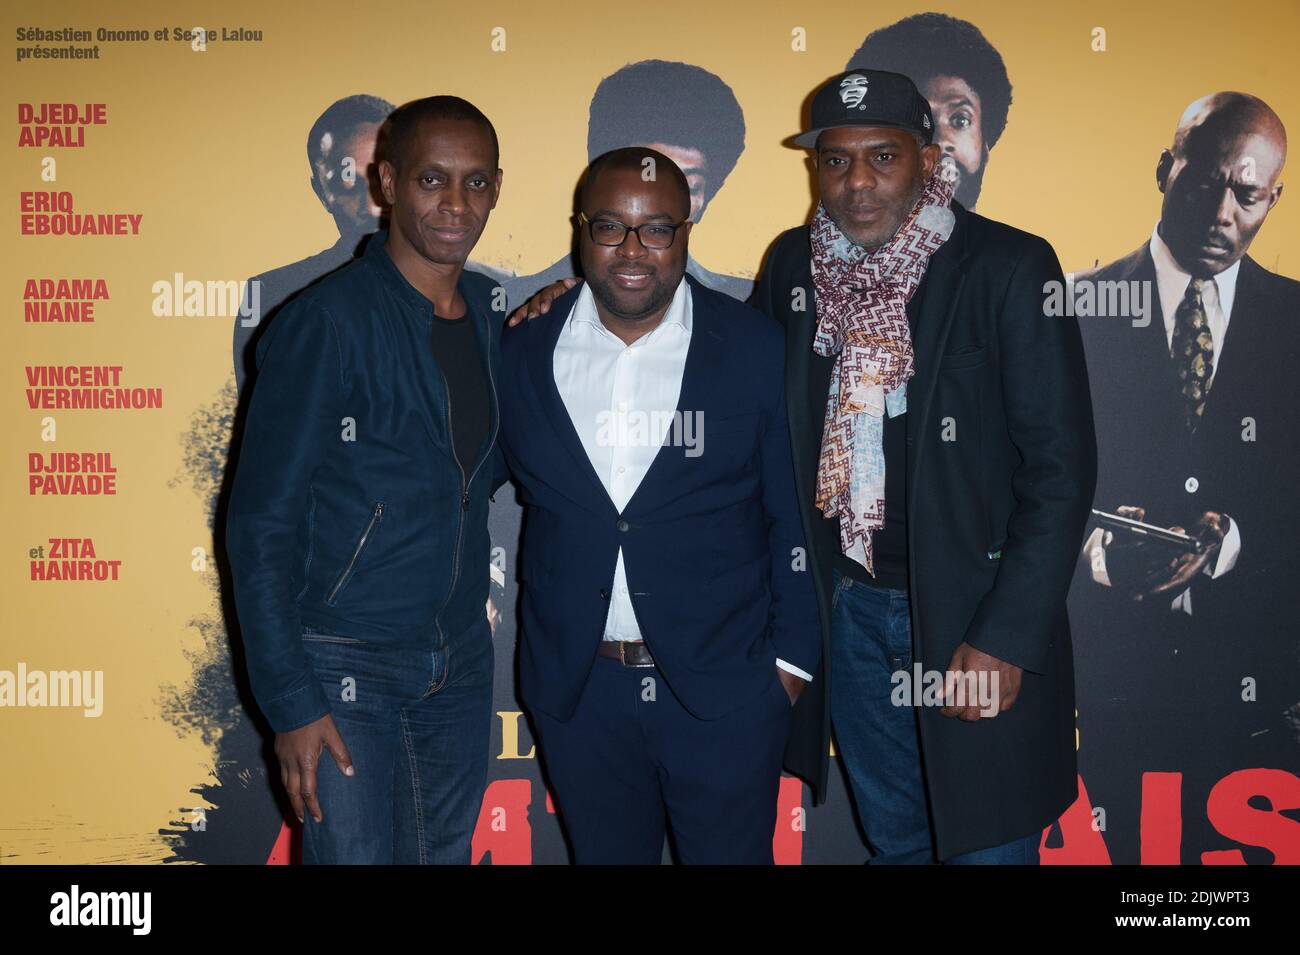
<point>181,171</point>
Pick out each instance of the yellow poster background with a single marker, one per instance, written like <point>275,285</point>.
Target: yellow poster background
<point>209,147</point>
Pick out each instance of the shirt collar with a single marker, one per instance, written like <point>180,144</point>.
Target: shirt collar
<point>1172,278</point>
<point>376,253</point>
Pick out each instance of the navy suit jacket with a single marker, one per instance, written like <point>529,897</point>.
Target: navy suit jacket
<point>712,541</point>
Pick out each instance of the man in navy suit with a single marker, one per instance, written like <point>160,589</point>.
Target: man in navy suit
<point>668,621</point>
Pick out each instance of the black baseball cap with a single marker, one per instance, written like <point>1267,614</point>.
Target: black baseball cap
<point>868,98</point>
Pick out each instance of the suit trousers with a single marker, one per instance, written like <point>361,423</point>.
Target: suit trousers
<point>632,765</point>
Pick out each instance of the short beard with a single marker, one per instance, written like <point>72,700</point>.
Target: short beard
<point>907,211</point>
<point>605,292</point>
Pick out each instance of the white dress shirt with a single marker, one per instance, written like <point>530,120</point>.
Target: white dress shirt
<point>621,399</point>
<point>1217,296</point>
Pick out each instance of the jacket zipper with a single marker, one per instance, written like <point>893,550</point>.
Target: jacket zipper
<point>464,484</point>
<point>375,517</point>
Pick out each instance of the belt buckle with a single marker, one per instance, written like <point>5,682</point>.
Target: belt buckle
<point>622,656</point>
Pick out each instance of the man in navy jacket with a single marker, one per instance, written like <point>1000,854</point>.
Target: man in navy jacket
<point>357,531</point>
<point>668,620</point>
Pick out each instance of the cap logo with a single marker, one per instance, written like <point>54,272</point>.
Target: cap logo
<point>925,121</point>
<point>853,89</point>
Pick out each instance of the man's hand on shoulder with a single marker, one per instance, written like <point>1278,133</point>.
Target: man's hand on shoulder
<point>540,303</point>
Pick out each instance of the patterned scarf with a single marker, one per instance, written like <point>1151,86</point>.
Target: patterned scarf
<point>862,319</point>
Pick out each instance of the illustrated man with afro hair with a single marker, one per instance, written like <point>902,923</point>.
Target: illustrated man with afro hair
<point>683,111</point>
<point>962,76</point>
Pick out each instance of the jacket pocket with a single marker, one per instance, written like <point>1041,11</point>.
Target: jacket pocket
<point>376,515</point>
<point>786,704</point>
<point>732,424</point>
<point>963,359</point>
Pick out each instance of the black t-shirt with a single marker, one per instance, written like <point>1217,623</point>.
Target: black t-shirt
<point>455,348</point>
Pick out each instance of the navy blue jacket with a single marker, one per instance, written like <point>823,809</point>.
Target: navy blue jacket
<point>712,543</point>
<point>349,513</point>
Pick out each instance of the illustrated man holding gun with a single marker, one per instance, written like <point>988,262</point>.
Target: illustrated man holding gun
<point>1187,585</point>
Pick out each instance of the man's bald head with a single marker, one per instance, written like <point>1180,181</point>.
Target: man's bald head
<point>1219,179</point>
<point>650,164</point>
<point>1230,116</point>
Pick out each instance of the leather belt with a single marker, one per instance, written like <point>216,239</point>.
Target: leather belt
<point>630,653</point>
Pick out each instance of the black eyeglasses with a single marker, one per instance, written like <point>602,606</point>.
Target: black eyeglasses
<point>652,235</point>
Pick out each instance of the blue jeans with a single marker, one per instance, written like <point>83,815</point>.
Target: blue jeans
<point>416,723</point>
<point>871,639</point>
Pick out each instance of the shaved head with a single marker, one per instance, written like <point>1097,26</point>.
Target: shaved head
<point>1219,179</point>
<point>649,163</point>
<point>1229,115</point>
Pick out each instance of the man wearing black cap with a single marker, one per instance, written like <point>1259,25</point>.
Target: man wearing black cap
<point>945,461</point>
